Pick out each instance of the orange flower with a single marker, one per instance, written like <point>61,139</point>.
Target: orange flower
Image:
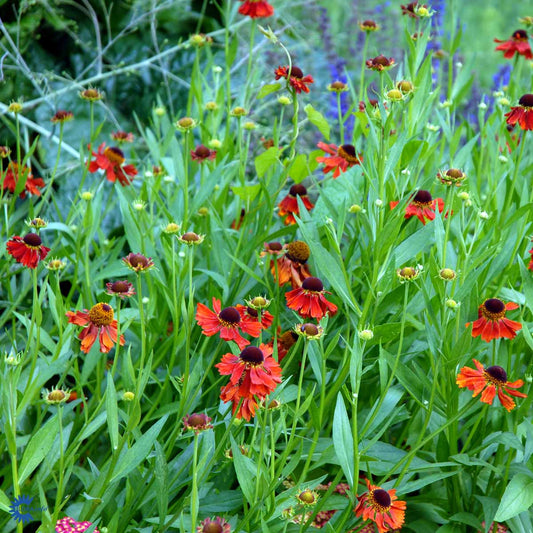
<point>27,250</point>
<point>518,43</point>
<point>523,113</point>
<point>14,171</point>
<point>249,314</point>
<point>256,9</point>
<point>422,206</point>
<point>342,158</point>
<point>226,321</point>
<point>111,159</point>
<point>296,78</point>
<point>382,507</point>
<point>292,267</point>
<point>491,322</point>
<point>102,325</point>
<point>289,204</point>
<point>309,300</point>
<point>490,380</point>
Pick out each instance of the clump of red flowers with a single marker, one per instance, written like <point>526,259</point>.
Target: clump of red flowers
<point>296,78</point>
<point>518,43</point>
<point>522,113</point>
<point>289,205</point>
<point>111,159</point>
<point>27,250</point>
<point>422,206</point>
<point>492,324</point>
<point>14,173</point>
<point>256,9</point>
<point>490,380</point>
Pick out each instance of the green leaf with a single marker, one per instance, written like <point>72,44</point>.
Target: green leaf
<point>245,470</point>
<point>517,498</point>
<point>267,159</point>
<point>342,439</point>
<point>39,446</point>
<point>267,89</point>
<point>247,192</point>
<point>298,171</point>
<point>317,118</point>
<point>112,411</point>
<point>139,451</point>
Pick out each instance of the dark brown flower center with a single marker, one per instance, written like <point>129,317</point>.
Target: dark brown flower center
<point>252,312</point>
<point>526,100</point>
<point>212,527</point>
<point>422,198</point>
<point>338,86</point>
<point>312,284</point>
<point>497,373</point>
<point>230,315</point>
<point>454,173</point>
<point>520,35</point>
<point>274,246</point>
<point>32,239</point>
<point>288,339</point>
<point>381,60</point>
<point>120,286</point>
<point>382,498</point>
<point>298,251</point>
<point>309,329</point>
<point>138,260</point>
<point>493,305</point>
<point>296,72</point>
<point>298,190</point>
<point>190,236</point>
<point>252,355</point>
<point>114,154</point>
<point>202,151</point>
<point>369,24</point>
<point>347,152</point>
<point>196,420</point>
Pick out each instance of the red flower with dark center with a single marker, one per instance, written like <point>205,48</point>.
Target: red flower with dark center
<point>517,44</point>
<point>309,300</point>
<point>226,321</point>
<point>410,9</point>
<point>197,422</point>
<point>111,159</point>
<point>11,178</point>
<point>341,159</point>
<point>27,250</point>
<point>122,136</point>
<point>296,78</point>
<point>490,380</point>
<point>248,314</point>
<point>523,113</point>
<point>201,153</point>
<point>422,206</point>
<point>292,266</point>
<point>100,319</point>
<point>122,289</point>
<point>380,63</point>
<point>256,9</point>
<point>254,373</point>
<point>491,322</point>
<point>289,205</point>
<point>381,506</point>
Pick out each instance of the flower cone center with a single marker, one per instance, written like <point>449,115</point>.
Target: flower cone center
<point>251,312</point>
<point>190,236</point>
<point>288,339</point>
<point>101,314</point>
<point>422,199</point>
<point>274,247</point>
<point>496,374</point>
<point>347,152</point>
<point>296,72</point>
<point>196,420</point>
<point>298,190</point>
<point>381,60</point>
<point>526,100</point>
<point>120,286</point>
<point>493,309</point>
<point>381,499</point>
<point>138,260</point>
<point>32,239</point>
<point>298,251</point>
<point>229,316</point>
<point>212,527</point>
<point>252,355</point>
<point>310,329</point>
<point>202,151</point>
<point>115,155</point>
<point>312,284</point>
<point>520,35</point>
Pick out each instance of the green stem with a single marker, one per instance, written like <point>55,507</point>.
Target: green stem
<point>363,68</point>
<point>194,489</point>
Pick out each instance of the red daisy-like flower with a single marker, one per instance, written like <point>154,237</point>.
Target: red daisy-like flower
<point>100,319</point>
<point>517,44</point>
<point>289,205</point>
<point>197,422</point>
<point>254,373</point>
<point>523,113</point>
<point>491,380</point>
<point>422,206</point>
<point>122,136</point>
<point>296,78</point>
<point>382,507</point>
<point>380,63</point>
<point>491,322</point>
<point>249,314</point>
<point>341,159</point>
<point>11,178</point>
<point>256,9</point>
<point>226,321</point>
<point>122,289</point>
<point>214,525</point>
<point>27,250</point>
<point>292,267</point>
<point>201,153</point>
<point>111,159</point>
<point>309,300</point>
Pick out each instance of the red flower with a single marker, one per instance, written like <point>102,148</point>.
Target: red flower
<point>248,314</point>
<point>309,300</point>
<point>226,321</point>
<point>122,136</point>
<point>111,160</point>
<point>12,176</point>
<point>256,9</point>
<point>382,507</point>
<point>197,422</point>
<point>296,78</point>
<point>380,63</point>
<point>102,325</point>
<point>490,380</point>
<point>491,322</point>
<point>342,158</point>
<point>289,204</point>
<point>254,373</point>
<point>122,289</point>
<point>292,267</point>
<point>517,44</point>
<point>201,153</point>
<point>214,525</point>
<point>523,113</point>
<point>422,206</point>
<point>27,250</point>
<point>530,266</point>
